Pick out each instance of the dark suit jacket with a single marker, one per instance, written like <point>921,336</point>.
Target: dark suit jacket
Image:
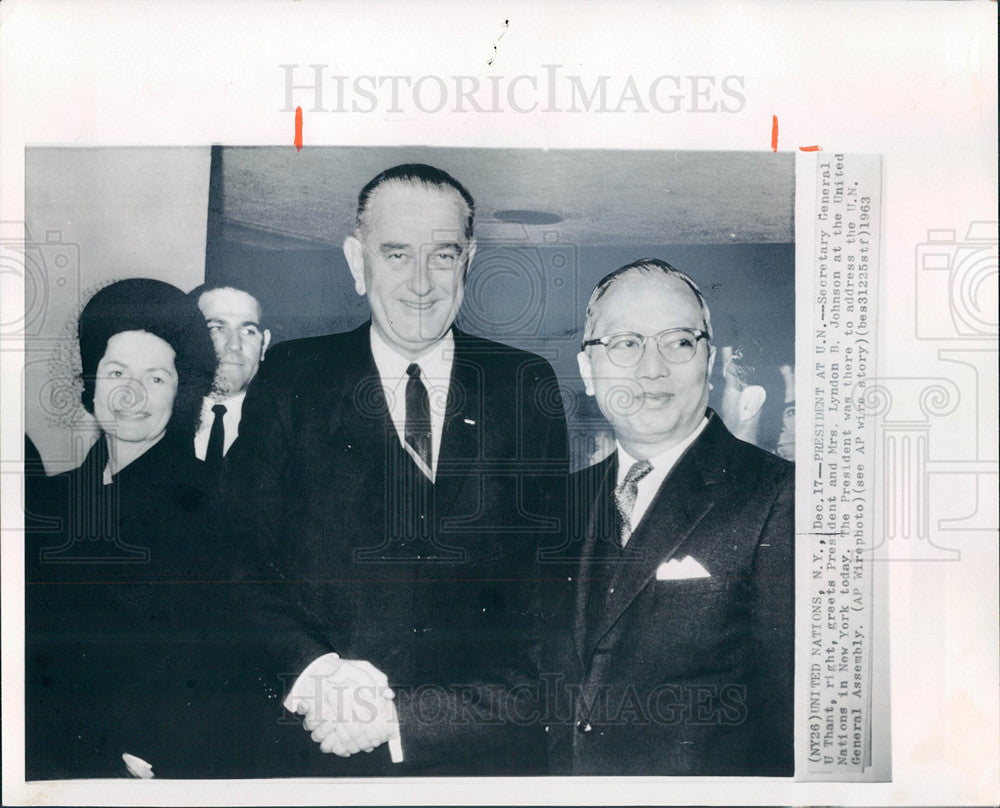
<point>678,677</point>
<point>429,583</point>
<point>126,640</point>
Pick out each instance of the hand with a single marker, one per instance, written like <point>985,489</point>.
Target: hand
<point>348,737</point>
<point>353,710</point>
<point>137,767</point>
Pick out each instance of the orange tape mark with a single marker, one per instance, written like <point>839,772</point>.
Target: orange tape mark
<point>810,148</point>
<point>298,129</point>
<point>774,133</point>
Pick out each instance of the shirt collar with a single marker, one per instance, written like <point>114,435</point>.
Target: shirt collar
<point>435,365</point>
<point>230,402</point>
<point>664,461</point>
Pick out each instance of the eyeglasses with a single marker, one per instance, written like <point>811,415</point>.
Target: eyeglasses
<point>677,345</point>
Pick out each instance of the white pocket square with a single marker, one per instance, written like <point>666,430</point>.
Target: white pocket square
<point>674,570</point>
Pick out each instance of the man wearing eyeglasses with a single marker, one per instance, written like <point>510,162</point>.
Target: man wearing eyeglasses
<point>673,644</point>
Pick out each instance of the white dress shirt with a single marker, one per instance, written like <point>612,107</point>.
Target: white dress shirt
<point>435,373</point>
<point>662,464</point>
<point>230,422</point>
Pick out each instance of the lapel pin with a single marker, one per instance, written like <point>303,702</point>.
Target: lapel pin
<point>469,421</point>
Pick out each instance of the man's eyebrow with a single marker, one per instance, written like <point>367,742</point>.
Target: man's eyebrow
<point>221,321</point>
<point>166,371</point>
<point>451,245</point>
<point>393,246</point>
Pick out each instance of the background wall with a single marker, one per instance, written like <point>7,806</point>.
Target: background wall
<point>94,216</point>
<point>549,224</point>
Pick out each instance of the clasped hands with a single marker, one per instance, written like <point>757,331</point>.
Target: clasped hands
<point>347,705</point>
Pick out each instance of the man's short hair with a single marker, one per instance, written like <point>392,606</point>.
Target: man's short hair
<point>196,293</point>
<point>424,176</point>
<point>757,364</point>
<point>644,266</point>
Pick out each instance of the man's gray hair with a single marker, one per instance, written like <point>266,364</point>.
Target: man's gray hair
<point>421,175</point>
<point>644,266</point>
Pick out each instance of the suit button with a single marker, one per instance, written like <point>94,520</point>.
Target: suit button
<point>583,726</point>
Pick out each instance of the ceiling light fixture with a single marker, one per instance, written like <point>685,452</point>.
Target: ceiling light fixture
<point>527,217</point>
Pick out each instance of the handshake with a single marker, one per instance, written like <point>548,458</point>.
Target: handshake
<point>347,705</point>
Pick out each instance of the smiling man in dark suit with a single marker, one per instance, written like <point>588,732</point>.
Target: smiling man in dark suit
<point>671,651</point>
<point>396,480</point>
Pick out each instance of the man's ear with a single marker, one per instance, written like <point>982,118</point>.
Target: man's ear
<point>751,400</point>
<point>788,374</point>
<point>586,372</point>
<point>470,252</point>
<point>354,252</point>
<point>265,343</point>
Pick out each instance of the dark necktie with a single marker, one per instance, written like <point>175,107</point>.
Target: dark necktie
<point>418,416</point>
<point>625,495</point>
<point>216,439</point>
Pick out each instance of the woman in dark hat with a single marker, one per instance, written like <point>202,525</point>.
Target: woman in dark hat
<point>147,361</point>
<point>123,651</point>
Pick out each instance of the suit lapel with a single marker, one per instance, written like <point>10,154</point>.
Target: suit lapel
<point>359,419</point>
<point>597,484</point>
<point>684,499</point>
<point>464,427</point>
<point>360,425</point>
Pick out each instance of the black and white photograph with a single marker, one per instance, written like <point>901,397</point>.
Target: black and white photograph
<point>417,467</point>
<point>450,403</point>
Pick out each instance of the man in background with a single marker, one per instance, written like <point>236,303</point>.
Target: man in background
<point>233,317</point>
